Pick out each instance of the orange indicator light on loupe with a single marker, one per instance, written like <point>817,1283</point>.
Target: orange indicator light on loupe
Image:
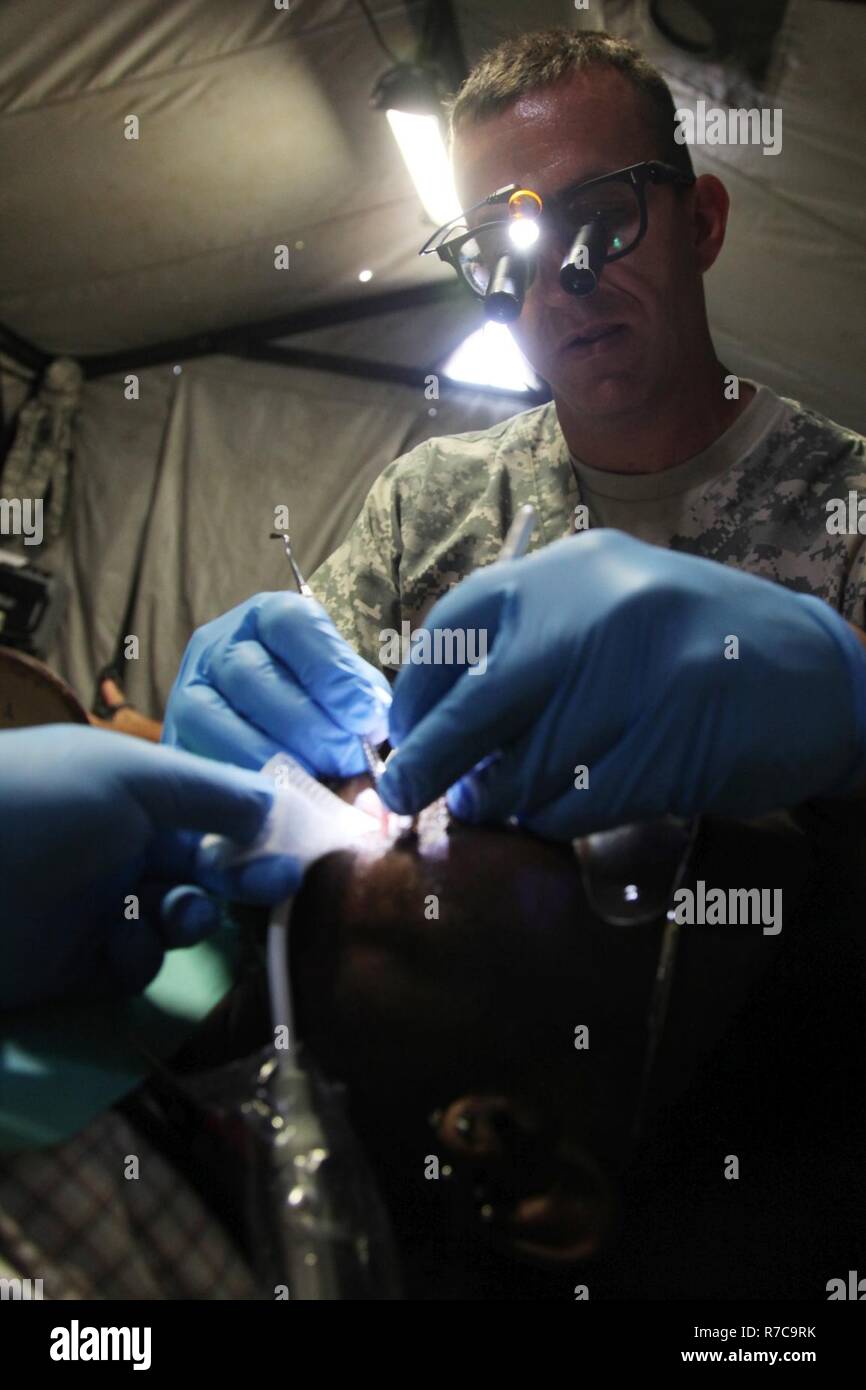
<point>524,203</point>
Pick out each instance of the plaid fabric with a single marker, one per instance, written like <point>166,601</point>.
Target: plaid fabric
<point>69,1217</point>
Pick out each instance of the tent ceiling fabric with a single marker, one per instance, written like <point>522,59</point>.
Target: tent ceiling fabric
<point>256,130</point>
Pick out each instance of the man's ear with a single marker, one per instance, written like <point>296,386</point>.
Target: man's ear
<point>709,219</point>
<point>570,1221</point>
<point>546,1199</point>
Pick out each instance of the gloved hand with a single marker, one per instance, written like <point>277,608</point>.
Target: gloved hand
<point>607,652</point>
<point>273,675</point>
<point>89,818</point>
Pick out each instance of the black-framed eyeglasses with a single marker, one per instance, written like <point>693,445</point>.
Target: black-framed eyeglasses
<point>610,211</point>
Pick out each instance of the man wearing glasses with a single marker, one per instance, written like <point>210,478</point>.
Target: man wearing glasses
<point>645,429</point>
<point>663,676</point>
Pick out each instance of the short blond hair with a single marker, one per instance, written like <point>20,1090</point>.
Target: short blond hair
<point>528,61</point>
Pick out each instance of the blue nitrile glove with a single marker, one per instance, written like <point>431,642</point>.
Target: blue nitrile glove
<point>274,676</point>
<point>607,652</point>
<point>89,818</point>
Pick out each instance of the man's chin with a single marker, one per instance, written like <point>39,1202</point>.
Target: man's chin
<point>602,394</point>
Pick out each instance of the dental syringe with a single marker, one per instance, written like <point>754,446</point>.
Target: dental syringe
<point>519,534</point>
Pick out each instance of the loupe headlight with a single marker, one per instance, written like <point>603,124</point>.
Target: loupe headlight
<point>512,270</point>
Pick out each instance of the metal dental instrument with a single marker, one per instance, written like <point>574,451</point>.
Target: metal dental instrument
<point>303,587</point>
<point>375,766</point>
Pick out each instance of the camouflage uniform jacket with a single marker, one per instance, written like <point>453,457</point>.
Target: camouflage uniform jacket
<point>442,510</point>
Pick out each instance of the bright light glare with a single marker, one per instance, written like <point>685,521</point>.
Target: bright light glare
<point>523,233</point>
<point>425,156</point>
<point>364,276</point>
<point>490,357</point>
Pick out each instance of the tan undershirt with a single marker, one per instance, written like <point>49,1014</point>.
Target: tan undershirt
<point>652,506</point>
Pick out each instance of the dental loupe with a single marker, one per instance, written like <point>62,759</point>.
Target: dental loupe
<point>498,259</point>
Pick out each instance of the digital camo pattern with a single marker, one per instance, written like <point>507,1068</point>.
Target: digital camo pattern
<point>443,509</point>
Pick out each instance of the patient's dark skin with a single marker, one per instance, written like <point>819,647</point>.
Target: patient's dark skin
<point>442,982</point>
<point>455,1033</point>
<point>455,1037</point>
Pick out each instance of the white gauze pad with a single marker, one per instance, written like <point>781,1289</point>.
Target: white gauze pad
<point>306,821</point>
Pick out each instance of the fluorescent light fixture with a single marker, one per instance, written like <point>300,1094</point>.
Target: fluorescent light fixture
<point>420,141</point>
<point>490,357</point>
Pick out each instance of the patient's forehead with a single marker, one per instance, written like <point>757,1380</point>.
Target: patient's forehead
<point>481,914</point>
<point>458,902</point>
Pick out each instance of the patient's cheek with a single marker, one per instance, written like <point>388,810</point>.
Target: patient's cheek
<point>384,887</point>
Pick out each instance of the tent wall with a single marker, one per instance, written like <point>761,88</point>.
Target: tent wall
<point>787,296</point>
<point>179,488</point>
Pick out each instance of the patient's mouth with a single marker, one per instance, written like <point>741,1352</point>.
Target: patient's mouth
<point>391,826</point>
<point>424,833</point>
